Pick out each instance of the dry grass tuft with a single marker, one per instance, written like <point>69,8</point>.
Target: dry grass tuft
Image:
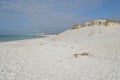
<point>75,26</point>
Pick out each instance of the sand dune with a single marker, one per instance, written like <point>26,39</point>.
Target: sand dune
<point>88,53</point>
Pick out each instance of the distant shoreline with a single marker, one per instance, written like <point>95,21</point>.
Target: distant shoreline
<point>9,38</point>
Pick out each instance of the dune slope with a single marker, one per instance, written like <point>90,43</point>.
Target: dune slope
<point>91,52</point>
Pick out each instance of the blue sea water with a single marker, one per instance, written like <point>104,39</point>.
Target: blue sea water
<point>5,38</point>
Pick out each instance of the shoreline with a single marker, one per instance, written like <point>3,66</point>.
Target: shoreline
<point>19,39</point>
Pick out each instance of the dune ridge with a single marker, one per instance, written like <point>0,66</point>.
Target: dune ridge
<point>98,23</point>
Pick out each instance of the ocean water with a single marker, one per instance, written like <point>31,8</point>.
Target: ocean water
<point>5,38</point>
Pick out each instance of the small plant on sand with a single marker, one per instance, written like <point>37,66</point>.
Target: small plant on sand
<point>75,26</point>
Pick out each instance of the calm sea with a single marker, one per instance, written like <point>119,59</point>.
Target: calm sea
<point>5,38</point>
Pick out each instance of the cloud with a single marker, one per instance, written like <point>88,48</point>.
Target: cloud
<point>45,14</point>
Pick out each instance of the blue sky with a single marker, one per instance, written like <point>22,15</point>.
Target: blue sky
<point>52,16</point>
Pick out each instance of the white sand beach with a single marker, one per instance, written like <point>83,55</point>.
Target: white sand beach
<point>88,53</point>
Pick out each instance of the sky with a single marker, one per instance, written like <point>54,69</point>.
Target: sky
<point>19,17</point>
